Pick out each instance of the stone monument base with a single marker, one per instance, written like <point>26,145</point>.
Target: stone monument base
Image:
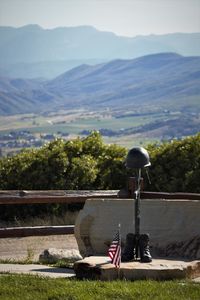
<point>100,268</point>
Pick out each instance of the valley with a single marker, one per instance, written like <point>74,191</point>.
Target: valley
<point>152,98</point>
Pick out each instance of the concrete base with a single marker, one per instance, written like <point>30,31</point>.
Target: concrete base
<point>173,226</point>
<point>99,267</point>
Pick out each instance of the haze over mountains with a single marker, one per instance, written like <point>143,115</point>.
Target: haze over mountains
<point>31,51</point>
<point>165,80</point>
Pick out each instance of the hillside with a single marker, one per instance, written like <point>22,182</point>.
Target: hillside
<point>31,51</point>
<point>164,80</point>
<point>22,95</point>
<point>158,78</point>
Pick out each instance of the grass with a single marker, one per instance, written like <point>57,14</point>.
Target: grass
<point>28,287</point>
<point>29,259</point>
<point>67,218</point>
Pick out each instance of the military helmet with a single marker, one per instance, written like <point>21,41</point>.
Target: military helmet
<point>137,158</point>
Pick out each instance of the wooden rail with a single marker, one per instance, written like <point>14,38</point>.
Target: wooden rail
<point>170,196</point>
<point>35,231</point>
<point>33,197</point>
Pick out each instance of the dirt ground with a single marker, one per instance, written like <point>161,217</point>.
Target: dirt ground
<point>32,247</point>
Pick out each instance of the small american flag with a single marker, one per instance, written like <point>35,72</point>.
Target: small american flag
<point>114,251</point>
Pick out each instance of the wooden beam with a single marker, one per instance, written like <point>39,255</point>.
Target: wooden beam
<point>33,197</point>
<point>172,196</point>
<point>41,197</point>
<point>35,231</point>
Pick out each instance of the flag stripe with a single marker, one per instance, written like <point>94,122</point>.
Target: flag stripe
<point>116,259</point>
<point>114,251</point>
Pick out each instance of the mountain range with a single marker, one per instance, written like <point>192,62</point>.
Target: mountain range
<point>163,80</point>
<point>31,51</point>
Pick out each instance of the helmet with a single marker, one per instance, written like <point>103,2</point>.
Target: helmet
<point>138,158</point>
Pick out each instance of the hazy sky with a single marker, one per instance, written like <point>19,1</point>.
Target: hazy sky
<point>124,17</point>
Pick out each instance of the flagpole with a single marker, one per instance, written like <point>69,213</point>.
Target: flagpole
<point>118,271</point>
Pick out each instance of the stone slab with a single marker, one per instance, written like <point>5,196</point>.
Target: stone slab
<point>100,268</point>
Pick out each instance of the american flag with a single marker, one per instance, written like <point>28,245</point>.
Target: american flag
<point>114,251</point>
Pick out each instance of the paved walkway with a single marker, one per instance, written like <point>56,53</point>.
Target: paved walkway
<point>34,269</point>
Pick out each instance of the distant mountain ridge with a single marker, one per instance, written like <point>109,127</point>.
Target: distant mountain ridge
<point>165,79</point>
<point>31,51</point>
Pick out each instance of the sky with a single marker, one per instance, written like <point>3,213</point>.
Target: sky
<point>123,17</point>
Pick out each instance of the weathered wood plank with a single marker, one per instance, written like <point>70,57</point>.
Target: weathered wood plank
<point>23,193</point>
<point>35,231</point>
<point>33,197</point>
<point>162,195</point>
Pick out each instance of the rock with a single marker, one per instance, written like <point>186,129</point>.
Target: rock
<point>100,268</point>
<point>173,225</point>
<point>52,255</point>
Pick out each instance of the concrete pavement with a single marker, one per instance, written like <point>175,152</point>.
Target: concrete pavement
<point>34,269</point>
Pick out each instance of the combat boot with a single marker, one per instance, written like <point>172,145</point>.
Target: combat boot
<point>129,249</point>
<point>145,255</point>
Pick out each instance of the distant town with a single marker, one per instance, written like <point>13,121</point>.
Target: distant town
<point>15,141</point>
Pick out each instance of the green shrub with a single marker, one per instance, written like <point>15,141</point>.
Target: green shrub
<point>176,166</point>
<point>77,164</point>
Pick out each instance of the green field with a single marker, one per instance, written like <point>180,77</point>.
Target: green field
<point>70,124</point>
<point>28,287</point>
